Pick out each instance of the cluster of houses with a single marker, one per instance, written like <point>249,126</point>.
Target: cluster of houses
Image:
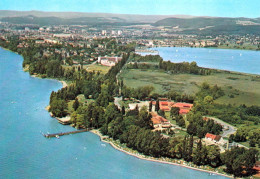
<point>167,105</point>
<point>159,121</point>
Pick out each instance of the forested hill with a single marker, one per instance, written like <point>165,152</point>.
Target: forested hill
<point>200,22</point>
<point>63,21</point>
<point>214,26</point>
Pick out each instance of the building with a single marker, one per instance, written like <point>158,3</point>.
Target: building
<point>159,121</point>
<point>104,32</point>
<point>257,168</point>
<point>167,105</point>
<point>62,35</point>
<point>184,107</point>
<point>213,138</point>
<point>109,61</point>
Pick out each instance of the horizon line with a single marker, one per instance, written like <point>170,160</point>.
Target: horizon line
<point>191,16</point>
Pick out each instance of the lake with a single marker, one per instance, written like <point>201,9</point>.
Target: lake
<point>244,61</point>
<point>25,153</point>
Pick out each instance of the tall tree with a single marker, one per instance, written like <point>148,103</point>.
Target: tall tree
<point>150,106</point>
<point>157,105</point>
<point>76,104</point>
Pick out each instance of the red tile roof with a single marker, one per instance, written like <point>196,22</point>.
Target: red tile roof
<point>184,111</point>
<point>167,105</point>
<point>213,137</point>
<point>183,105</point>
<point>156,119</point>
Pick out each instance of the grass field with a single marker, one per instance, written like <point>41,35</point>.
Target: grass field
<point>92,67</point>
<point>238,88</point>
<point>245,46</point>
<point>96,67</point>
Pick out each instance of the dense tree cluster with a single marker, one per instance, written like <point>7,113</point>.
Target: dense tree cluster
<point>240,161</point>
<point>199,127</point>
<point>183,67</point>
<point>147,58</point>
<point>246,133</point>
<point>140,93</point>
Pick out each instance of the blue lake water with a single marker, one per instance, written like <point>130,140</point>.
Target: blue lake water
<point>245,61</point>
<point>25,153</point>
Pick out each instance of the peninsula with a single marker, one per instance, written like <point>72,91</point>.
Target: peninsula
<point>144,105</point>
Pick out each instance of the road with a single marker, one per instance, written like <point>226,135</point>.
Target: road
<point>117,100</point>
<point>226,133</point>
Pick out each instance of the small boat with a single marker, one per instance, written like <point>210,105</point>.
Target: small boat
<point>57,136</point>
<point>103,145</point>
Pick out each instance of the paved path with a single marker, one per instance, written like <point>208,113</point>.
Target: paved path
<point>226,133</point>
<point>117,100</point>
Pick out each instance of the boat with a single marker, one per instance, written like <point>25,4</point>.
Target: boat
<point>57,136</point>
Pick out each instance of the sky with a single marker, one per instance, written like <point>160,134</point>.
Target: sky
<point>220,8</point>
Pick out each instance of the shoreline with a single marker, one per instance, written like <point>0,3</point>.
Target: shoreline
<point>140,156</point>
<point>64,84</point>
<point>210,68</point>
<point>206,47</point>
<point>143,157</point>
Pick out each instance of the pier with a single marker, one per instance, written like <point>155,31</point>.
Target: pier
<point>57,135</point>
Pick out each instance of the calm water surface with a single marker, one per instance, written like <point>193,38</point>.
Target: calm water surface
<point>245,61</point>
<point>25,153</point>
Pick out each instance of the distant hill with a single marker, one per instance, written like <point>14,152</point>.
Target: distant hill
<point>183,24</point>
<point>213,25</point>
<point>71,15</point>
<point>225,30</point>
<point>201,22</point>
<point>43,21</point>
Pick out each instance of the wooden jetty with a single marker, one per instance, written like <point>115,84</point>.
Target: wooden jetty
<point>57,135</point>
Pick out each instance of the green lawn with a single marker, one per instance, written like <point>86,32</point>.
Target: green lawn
<point>92,67</point>
<point>238,88</point>
<point>97,67</point>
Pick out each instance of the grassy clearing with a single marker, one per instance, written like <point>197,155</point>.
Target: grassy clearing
<point>238,88</point>
<point>91,67</point>
<point>97,67</point>
<point>245,46</point>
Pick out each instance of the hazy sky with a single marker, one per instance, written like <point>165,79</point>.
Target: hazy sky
<point>223,8</point>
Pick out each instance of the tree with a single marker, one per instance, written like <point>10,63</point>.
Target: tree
<point>76,104</point>
<point>181,122</point>
<point>58,107</point>
<point>161,113</point>
<point>111,113</point>
<point>157,105</point>
<point>150,106</point>
<point>192,129</point>
<point>213,155</point>
<point>144,119</point>
<point>208,100</point>
<point>196,157</point>
<point>239,161</point>
<point>174,112</point>
<point>123,110</point>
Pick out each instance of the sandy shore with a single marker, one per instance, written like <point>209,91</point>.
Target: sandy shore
<point>140,156</point>
<point>64,84</point>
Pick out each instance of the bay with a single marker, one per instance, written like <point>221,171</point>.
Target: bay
<point>245,61</point>
<point>25,153</point>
